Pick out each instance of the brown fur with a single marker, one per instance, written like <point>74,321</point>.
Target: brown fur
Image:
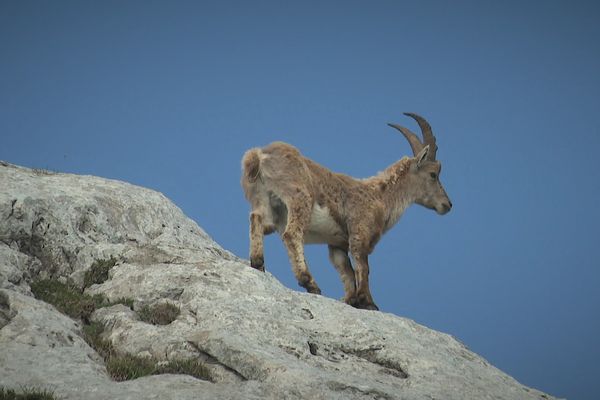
<point>307,203</point>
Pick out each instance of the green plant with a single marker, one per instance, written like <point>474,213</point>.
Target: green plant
<point>26,393</point>
<point>186,367</point>
<point>126,367</point>
<point>92,334</point>
<point>159,314</point>
<point>67,298</point>
<point>126,301</point>
<point>98,272</point>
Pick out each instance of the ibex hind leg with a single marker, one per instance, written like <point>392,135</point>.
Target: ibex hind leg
<point>261,224</point>
<point>257,258</point>
<point>298,210</point>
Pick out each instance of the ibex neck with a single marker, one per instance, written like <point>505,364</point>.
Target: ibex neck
<point>395,191</point>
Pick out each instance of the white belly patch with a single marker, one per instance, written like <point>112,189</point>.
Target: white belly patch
<point>323,228</point>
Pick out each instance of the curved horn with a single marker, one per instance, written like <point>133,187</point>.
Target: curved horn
<point>415,142</point>
<point>428,138</point>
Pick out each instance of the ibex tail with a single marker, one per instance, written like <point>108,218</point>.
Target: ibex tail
<point>251,165</point>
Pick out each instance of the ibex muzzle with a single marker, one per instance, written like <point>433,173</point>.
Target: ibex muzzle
<point>307,203</point>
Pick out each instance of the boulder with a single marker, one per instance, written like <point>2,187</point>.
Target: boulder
<point>259,339</point>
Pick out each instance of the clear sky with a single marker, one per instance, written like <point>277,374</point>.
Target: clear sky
<point>169,95</point>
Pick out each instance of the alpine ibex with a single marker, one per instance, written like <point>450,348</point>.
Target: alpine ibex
<point>307,203</point>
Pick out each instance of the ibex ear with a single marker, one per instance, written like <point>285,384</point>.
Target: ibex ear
<point>422,155</point>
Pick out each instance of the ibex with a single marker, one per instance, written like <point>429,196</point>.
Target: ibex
<point>307,203</point>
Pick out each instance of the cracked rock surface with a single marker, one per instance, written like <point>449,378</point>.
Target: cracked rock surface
<point>259,339</point>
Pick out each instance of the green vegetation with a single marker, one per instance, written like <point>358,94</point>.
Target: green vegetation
<point>70,300</point>
<point>98,272</point>
<point>126,367</point>
<point>92,334</point>
<point>123,367</point>
<point>26,394</point>
<point>159,314</point>
<point>186,367</point>
<point>67,298</point>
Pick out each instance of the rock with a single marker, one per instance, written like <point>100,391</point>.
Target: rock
<point>259,339</point>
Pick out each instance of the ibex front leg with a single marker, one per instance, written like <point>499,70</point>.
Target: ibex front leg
<point>363,293</point>
<point>340,260</point>
<point>360,254</point>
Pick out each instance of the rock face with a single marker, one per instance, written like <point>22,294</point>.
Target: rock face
<point>259,339</point>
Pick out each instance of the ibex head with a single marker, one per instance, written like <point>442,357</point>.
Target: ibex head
<point>425,169</point>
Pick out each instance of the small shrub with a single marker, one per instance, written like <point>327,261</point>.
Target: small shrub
<point>98,272</point>
<point>159,314</point>
<point>26,394</point>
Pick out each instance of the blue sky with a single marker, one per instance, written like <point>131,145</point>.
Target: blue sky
<point>169,95</point>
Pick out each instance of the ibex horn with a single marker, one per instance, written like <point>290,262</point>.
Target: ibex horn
<point>415,143</point>
<point>413,139</point>
<point>428,138</point>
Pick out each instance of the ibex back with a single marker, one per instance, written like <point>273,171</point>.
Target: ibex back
<point>307,203</point>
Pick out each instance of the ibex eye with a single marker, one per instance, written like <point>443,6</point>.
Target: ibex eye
<point>433,175</point>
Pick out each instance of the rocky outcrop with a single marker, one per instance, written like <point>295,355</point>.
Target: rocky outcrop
<point>259,339</point>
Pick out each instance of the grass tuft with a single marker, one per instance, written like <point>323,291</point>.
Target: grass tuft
<point>126,301</point>
<point>186,367</point>
<point>98,272</point>
<point>92,334</point>
<point>126,367</point>
<point>26,394</point>
<point>67,298</point>
<point>123,367</point>
<point>159,314</point>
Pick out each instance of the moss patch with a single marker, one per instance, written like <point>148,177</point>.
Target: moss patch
<point>159,314</point>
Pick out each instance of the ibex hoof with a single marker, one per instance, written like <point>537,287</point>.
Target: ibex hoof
<point>352,301</point>
<point>258,264</point>
<point>311,288</point>
<point>365,304</point>
<point>309,284</point>
<point>371,306</point>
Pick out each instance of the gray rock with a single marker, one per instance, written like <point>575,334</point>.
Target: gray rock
<point>259,339</point>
